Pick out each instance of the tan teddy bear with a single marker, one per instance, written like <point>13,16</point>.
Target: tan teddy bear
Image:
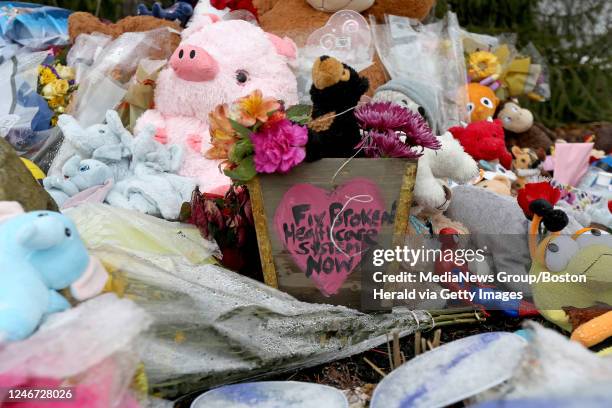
<point>297,19</point>
<point>86,23</point>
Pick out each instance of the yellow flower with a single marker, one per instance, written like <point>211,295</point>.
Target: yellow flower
<point>483,64</point>
<point>255,107</point>
<point>46,76</point>
<point>65,72</point>
<point>60,87</point>
<point>47,91</point>
<point>222,134</point>
<point>56,102</point>
<point>54,121</point>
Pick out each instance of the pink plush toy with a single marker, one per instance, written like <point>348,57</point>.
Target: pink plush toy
<point>216,62</point>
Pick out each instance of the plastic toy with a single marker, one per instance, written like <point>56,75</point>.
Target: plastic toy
<point>40,253</point>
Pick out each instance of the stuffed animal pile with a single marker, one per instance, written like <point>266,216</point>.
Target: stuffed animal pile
<point>204,73</point>
<point>111,165</point>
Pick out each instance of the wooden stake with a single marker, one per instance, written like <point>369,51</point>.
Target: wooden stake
<point>417,343</point>
<point>437,337</point>
<point>375,367</point>
<point>397,357</point>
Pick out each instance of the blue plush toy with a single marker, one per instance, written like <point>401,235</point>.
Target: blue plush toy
<point>182,11</point>
<point>40,253</point>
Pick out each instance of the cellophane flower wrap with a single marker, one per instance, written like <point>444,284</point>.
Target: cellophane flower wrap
<point>257,135</point>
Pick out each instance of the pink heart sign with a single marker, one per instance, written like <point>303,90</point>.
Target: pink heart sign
<point>326,232</point>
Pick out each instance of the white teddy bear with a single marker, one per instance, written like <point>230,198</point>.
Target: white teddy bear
<point>431,194</point>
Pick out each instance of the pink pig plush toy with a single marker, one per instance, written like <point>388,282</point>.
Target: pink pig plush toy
<point>217,62</point>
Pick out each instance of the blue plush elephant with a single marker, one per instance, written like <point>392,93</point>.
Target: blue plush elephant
<point>40,253</point>
<point>182,11</point>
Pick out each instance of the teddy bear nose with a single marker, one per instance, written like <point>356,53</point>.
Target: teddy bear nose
<point>194,64</point>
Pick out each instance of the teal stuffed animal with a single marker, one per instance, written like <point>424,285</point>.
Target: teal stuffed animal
<point>108,143</point>
<point>40,253</point>
<point>78,175</point>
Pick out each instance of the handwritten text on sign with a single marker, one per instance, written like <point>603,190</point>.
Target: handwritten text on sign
<point>327,232</point>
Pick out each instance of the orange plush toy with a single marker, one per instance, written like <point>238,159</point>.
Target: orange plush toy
<point>482,102</point>
<point>297,19</point>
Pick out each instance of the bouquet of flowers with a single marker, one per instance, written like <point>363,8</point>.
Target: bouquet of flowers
<point>56,84</point>
<point>258,135</point>
<point>392,131</point>
<point>226,219</point>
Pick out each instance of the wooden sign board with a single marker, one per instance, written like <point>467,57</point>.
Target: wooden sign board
<point>316,224</point>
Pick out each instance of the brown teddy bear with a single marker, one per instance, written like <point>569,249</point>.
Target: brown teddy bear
<point>86,23</point>
<point>498,184</point>
<point>297,19</point>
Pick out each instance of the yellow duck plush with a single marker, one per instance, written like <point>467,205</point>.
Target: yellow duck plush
<point>580,266</point>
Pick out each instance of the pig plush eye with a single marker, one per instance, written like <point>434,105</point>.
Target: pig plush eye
<point>242,76</point>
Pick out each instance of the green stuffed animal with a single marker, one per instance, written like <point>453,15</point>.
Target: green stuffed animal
<point>574,271</point>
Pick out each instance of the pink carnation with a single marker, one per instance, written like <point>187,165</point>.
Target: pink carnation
<point>280,147</point>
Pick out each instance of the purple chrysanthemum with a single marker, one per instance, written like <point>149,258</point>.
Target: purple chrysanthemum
<point>391,130</point>
<point>383,145</point>
<point>382,116</point>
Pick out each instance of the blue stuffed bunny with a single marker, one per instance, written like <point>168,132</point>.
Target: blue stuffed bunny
<point>78,175</point>
<point>182,11</point>
<point>108,143</point>
<point>40,253</point>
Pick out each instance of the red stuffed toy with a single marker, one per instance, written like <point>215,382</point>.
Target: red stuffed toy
<point>484,140</point>
<point>234,5</point>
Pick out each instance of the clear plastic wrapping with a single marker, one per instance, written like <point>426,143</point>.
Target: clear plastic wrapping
<point>213,326</point>
<point>432,55</point>
<point>91,347</point>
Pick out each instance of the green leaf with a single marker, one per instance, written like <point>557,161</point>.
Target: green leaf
<point>241,149</point>
<point>244,172</point>
<point>300,114</point>
<point>243,132</point>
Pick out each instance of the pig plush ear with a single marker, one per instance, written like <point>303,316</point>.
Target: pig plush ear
<point>284,46</point>
<point>9,209</point>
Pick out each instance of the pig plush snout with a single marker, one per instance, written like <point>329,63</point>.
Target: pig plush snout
<point>194,64</point>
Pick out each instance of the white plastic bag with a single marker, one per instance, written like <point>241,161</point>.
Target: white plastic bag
<point>91,347</point>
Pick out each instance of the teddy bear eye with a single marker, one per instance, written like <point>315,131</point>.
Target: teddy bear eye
<point>242,76</point>
<point>507,119</point>
<point>84,168</point>
<point>514,109</point>
<point>101,131</point>
<point>67,232</point>
<point>421,111</point>
<point>486,102</point>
